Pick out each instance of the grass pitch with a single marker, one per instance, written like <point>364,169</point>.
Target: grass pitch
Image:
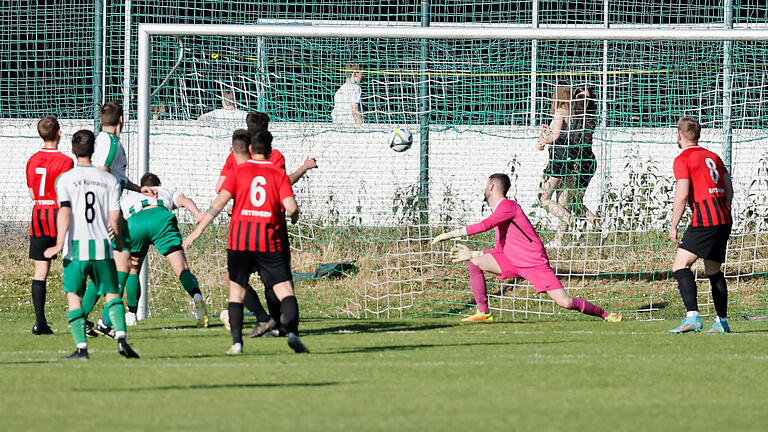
<point>390,375</point>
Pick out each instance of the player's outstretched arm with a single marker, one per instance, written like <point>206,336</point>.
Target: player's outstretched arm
<point>183,201</point>
<point>62,226</point>
<point>292,209</point>
<point>460,253</point>
<point>449,235</point>
<point>678,207</point>
<point>309,164</point>
<point>146,190</point>
<point>220,183</point>
<point>216,206</point>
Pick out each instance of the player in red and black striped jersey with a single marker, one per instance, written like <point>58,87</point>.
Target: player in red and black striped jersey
<point>43,168</point>
<point>703,184</point>
<point>256,238</point>
<point>266,324</point>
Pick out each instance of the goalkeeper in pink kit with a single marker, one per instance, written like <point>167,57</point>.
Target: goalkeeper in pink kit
<point>518,253</point>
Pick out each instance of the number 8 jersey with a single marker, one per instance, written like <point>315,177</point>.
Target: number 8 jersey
<point>92,194</point>
<point>705,170</point>
<point>257,224</point>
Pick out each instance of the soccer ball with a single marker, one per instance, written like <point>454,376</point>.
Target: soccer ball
<point>400,139</point>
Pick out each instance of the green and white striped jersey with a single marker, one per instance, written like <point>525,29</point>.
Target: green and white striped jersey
<point>133,202</point>
<point>92,194</point>
<point>109,153</point>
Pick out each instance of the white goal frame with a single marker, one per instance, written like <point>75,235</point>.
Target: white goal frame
<point>147,31</point>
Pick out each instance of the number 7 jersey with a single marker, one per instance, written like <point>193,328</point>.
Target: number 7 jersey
<point>92,194</point>
<point>43,168</point>
<point>257,224</point>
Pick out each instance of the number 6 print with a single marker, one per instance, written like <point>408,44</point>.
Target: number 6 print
<point>258,194</point>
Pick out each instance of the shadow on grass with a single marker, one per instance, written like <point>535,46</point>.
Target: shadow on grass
<point>227,386</point>
<point>370,349</point>
<point>376,327</point>
<point>750,331</point>
<point>25,362</point>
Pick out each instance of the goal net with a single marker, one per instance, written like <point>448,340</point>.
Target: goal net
<point>474,107</point>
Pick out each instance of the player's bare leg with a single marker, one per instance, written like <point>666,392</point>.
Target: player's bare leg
<point>39,278</point>
<point>549,185</point>
<point>476,267</point>
<point>178,262</point>
<point>719,295</point>
<point>289,314</point>
<point>235,308</point>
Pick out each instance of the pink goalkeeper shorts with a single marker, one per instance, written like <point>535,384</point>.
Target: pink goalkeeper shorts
<point>542,277</point>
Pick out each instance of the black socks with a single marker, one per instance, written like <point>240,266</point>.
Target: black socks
<point>686,283</point>
<point>719,293</point>
<point>253,304</point>
<point>236,322</point>
<point>289,309</point>
<point>38,300</point>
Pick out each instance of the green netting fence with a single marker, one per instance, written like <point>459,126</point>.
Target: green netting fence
<point>483,105</point>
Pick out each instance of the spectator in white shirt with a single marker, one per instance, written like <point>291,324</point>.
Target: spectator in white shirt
<point>228,112</point>
<point>346,102</point>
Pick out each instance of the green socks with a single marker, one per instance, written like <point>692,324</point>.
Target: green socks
<point>115,313</point>
<point>77,327</point>
<point>132,291</point>
<point>121,278</point>
<point>90,298</point>
<point>189,282</point>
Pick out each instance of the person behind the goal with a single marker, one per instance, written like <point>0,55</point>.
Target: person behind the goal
<point>702,183</point>
<point>43,168</point>
<point>256,240</point>
<point>519,253</point>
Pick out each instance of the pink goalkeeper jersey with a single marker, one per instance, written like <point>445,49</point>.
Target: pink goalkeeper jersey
<point>515,236</point>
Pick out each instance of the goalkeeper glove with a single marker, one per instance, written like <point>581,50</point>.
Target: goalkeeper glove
<point>447,236</point>
<point>461,253</point>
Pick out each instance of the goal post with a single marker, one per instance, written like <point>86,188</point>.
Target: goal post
<point>630,246</point>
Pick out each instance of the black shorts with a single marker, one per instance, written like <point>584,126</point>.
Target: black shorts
<point>707,242</point>
<point>558,161</point>
<point>273,267</point>
<point>38,245</point>
<point>287,253</point>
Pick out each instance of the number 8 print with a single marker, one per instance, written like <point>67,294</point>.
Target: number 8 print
<point>90,212</point>
<point>712,169</point>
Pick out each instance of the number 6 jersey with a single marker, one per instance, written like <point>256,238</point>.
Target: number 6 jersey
<point>705,170</point>
<point>257,224</point>
<point>92,194</point>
